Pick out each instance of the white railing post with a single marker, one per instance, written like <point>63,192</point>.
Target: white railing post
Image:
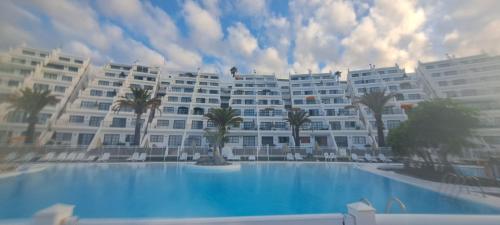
<point>362,213</point>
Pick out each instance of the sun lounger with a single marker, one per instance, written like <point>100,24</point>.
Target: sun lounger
<point>196,156</point>
<point>183,156</point>
<point>289,157</point>
<point>80,157</point>
<point>369,158</point>
<point>355,158</point>
<point>10,157</point>
<point>251,158</point>
<point>104,157</point>
<point>28,157</point>
<point>62,156</point>
<point>142,157</point>
<point>90,158</point>
<point>48,157</point>
<point>342,153</point>
<point>332,156</point>
<point>327,156</point>
<point>298,156</point>
<point>134,157</point>
<point>382,158</point>
<point>71,156</point>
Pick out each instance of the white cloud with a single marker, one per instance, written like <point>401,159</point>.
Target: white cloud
<point>205,29</point>
<point>241,40</point>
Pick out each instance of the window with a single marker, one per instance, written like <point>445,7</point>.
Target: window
<point>182,110</point>
<point>95,121</point>
<point>443,83</point>
<point>335,125</point>
<point>341,141</point>
<point>63,136</point>
<point>103,83</point>
<point>186,99</point>
<point>305,140</point>
<point>111,94</point>
<point>213,100</point>
<point>156,138</point>
<point>248,102</point>
<point>173,98</point>
<point>267,140</point>
<point>85,138</point>
<point>60,89</point>
<point>233,139</point>
<point>393,124</point>
<point>111,139</point>
<point>193,140</point>
<point>179,124</point>
<point>109,74</point>
<point>162,123</point>
<point>359,140</point>
<point>283,140</point>
<point>280,125</point>
<point>13,83</point>
<point>168,109</point>
<point>104,106</point>
<point>174,140</point>
<point>248,140</point>
<point>298,101</point>
<point>119,122</point>
<point>249,112</point>
<point>43,87</point>
<point>76,119</point>
<point>95,93</point>
<point>414,96</point>
<point>66,78</point>
<point>50,76</point>
<point>197,124</point>
<point>88,105</point>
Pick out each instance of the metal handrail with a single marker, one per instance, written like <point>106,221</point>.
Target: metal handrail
<point>478,184</point>
<point>366,201</point>
<point>402,206</point>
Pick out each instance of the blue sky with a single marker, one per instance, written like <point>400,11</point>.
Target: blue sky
<point>277,36</point>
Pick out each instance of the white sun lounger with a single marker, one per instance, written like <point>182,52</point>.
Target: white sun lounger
<point>332,156</point>
<point>48,157</point>
<point>142,157</point>
<point>369,158</point>
<point>289,157</point>
<point>355,158</point>
<point>104,157</point>
<point>10,157</point>
<point>80,156</point>
<point>28,157</point>
<point>90,158</point>
<point>382,158</point>
<point>298,156</point>
<point>71,156</point>
<point>327,156</point>
<point>62,156</point>
<point>134,157</point>
<point>252,158</point>
<point>196,156</point>
<point>183,156</point>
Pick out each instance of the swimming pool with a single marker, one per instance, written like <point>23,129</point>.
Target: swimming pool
<point>177,190</point>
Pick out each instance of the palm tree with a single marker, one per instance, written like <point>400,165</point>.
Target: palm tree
<point>31,102</point>
<point>233,70</point>
<point>376,101</point>
<point>222,118</point>
<point>140,102</point>
<point>338,74</point>
<point>296,118</point>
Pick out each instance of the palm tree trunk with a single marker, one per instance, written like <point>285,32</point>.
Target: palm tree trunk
<point>379,123</point>
<point>137,131</point>
<point>296,136</point>
<point>30,131</point>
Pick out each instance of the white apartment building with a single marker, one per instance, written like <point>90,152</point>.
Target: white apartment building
<point>84,117</point>
<point>474,81</point>
<point>391,80</point>
<point>38,69</point>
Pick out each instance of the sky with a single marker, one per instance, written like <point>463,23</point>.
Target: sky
<point>262,36</point>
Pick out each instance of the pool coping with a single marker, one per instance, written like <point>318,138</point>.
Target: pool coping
<point>441,188</point>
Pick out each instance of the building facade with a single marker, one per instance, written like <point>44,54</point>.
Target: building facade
<point>473,81</point>
<point>85,116</point>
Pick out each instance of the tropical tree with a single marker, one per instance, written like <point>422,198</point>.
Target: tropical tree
<point>440,124</point>
<point>222,118</point>
<point>233,70</point>
<point>140,101</point>
<point>338,74</point>
<point>296,118</point>
<point>376,101</point>
<point>31,102</point>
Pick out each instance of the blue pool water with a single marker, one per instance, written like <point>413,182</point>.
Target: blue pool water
<point>176,190</point>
